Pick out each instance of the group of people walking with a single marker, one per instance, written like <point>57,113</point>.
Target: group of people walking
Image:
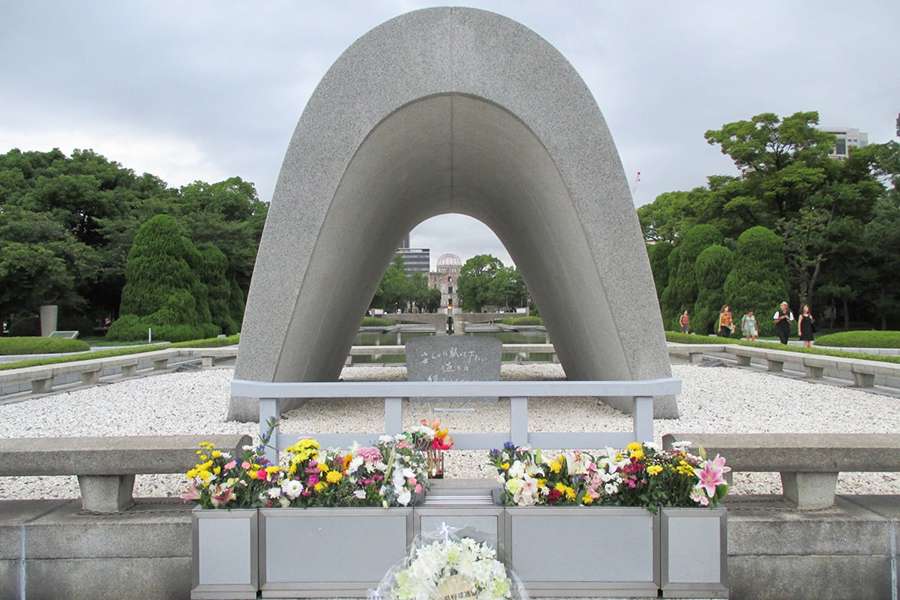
<point>782,319</point>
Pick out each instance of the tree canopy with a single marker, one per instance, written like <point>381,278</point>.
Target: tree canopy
<point>67,224</point>
<point>827,214</point>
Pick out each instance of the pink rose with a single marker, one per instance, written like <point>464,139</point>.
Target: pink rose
<point>231,465</point>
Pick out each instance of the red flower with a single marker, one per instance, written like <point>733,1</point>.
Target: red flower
<point>554,496</point>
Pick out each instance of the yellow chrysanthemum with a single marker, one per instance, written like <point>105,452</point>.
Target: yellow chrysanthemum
<point>587,500</point>
<point>333,476</point>
<point>320,486</point>
<point>323,467</point>
<point>654,469</point>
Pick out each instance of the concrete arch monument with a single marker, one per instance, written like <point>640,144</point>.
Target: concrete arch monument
<point>451,110</point>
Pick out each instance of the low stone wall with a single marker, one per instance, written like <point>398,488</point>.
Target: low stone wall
<point>774,552</point>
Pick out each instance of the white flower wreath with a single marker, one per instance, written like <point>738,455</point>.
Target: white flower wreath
<point>452,569</point>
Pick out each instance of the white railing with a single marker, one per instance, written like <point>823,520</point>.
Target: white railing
<point>393,393</point>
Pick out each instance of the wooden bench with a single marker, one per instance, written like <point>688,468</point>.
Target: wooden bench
<point>106,466</point>
<point>809,463</point>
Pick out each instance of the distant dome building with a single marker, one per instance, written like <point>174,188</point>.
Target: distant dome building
<point>444,279</point>
<point>449,263</point>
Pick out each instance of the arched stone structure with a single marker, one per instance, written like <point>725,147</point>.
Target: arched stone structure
<point>451,110</point>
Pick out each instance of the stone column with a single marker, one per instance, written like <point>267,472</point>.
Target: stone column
<point>49,319</point>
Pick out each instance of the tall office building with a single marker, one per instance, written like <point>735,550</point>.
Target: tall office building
<point>415,260</point>
<point>845,139</point>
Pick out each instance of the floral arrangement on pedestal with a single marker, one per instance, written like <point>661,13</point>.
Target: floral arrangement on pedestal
<point>448,568</point>
<point>639,475</point>
<point>391,473</point>
<point>434,440</point>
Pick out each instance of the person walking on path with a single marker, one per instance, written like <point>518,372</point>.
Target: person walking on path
<point>806,326</point>
<point>685,322</point>
<point>783,318</point>
<point>748,326</point>
<point>725,326</point>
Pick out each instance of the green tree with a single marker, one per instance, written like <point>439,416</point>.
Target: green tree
<point>213,273</point>
<point>681,290</point>
<point>711,269</point>
<point>163,290</point>
<point>475,281</point>
<point>40,263</point>
<point>393,289</point>
<point>758,279</point>
<point>658,253</point>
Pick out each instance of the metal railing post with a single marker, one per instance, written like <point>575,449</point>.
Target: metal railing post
<point>518,421</point>
<point>642,418</point>
<point>393,416</point>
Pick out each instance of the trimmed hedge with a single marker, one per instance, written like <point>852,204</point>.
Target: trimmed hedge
<point>861,339</point>
<point>40,345</point>
<point>134,328</point>
<point>529,320</point>
<point>690,338</point>
<point>375,322</point>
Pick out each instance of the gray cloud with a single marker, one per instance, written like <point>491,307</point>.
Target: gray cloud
<point>213,89</point>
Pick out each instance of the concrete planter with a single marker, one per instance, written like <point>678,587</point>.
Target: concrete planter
<point>584,551</point>
<point>322,552</point>
<point>694,553</point>
<point>481,523</point>
<point>225,554</point>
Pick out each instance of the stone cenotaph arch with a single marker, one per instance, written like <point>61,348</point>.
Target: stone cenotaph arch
<point>451,110</point>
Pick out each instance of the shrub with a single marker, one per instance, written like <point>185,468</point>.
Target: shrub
<point>658,254</point>
<point>681,291</point>
<point>861,339</point>
<point>710,269</point>
<point>162,289</point>
<point>758,280</point>
<point>40,345</point>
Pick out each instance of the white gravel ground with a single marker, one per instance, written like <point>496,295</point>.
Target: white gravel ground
<point>713,400</point>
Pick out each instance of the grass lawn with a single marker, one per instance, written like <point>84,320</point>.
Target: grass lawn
<point>40,345</point>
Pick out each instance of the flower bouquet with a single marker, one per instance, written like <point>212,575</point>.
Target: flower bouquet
<point>220,480</point>
<point>444,567</point>
<point>434,440</point>
<point>639,475</point>
<point>391,473</point>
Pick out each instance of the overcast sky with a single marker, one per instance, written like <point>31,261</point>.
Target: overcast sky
<point>208,90</point>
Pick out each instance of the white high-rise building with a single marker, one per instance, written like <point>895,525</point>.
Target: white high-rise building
<point>846,138</point>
